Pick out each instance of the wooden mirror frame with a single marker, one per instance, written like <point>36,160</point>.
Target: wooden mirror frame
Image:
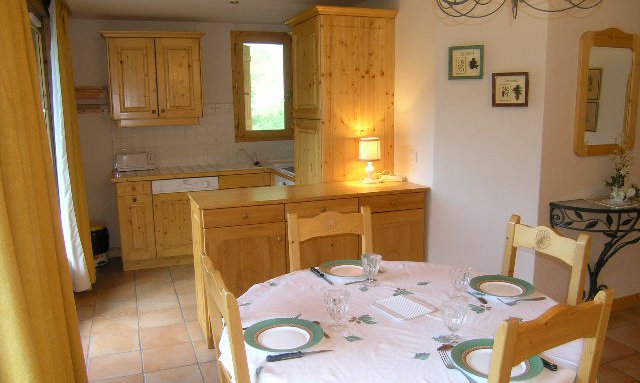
<point>613,38</point>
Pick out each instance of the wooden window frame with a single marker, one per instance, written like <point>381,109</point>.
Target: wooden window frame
<point>238,38</point>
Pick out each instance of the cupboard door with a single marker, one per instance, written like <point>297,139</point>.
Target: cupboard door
<point>306,70</point>
<point>399,235</point>
<point>308,151</point>
<point>248,254</point>
<point>132,71</point>
<point>173,228</point>
<point>137,237</point>
<point>179,77</point>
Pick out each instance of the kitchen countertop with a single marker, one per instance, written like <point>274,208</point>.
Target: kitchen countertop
<point>265,195</point>
<point>194,171</point>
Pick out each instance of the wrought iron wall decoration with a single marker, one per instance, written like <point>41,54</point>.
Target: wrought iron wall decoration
<point>477,9</point>
<point>620,225</point>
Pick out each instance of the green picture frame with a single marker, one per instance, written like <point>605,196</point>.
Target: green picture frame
<point>466,62</point>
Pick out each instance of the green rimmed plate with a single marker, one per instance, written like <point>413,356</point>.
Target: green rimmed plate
<point>283,334</point>
<point>343,268</point>
<point>501,286</point>
<point>474,358</point>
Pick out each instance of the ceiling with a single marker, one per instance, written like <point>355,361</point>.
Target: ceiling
<point>246,11</point>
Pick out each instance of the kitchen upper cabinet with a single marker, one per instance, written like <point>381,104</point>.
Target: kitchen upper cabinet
<point>155,78</point>
<point>343,89</point>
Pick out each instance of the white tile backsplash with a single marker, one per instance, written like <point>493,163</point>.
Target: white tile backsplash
<point>211,142</point>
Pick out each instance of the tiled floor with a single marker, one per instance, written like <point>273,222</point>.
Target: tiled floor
<point>141,327</point>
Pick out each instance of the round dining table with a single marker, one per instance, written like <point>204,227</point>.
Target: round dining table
<point>375,346</point>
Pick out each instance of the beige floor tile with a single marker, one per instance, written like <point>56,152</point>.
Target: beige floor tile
<point>185,287</point>
<point>115,324</point>
<point>152,276</point>
<point>115,365</point>
<point>85,328</point>
<point>182,272</point>
<point>629,365</point>
<point>123,341</point>
<point>160,318</point>
<point>85,298</point>
<point>609,374</point>
<point>159,302</point>
<point>85,347</point>
<point>165,357</point>
<point>190,313</point>
<point>195,332</point>
<point>152,290</point>
<point>186,374</point>
<point>163,336</point>
<point>188,299</point>
<point>204,354</point>
<point>628,334</point>
<point>614,350</point>
<point>209,372</point>
<point>85,312</point>
<point>137,378</point>
<point>110,308</point>
<point>125,291</point>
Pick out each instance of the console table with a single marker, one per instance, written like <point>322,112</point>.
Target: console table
<point>618,223</point>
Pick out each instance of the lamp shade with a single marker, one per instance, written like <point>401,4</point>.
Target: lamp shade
<point>369,149</point>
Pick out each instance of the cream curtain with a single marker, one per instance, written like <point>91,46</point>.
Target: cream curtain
<point>39,337</point>
<point>71,186</point>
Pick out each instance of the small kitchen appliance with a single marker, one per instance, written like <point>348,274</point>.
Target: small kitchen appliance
<point>134,161</point>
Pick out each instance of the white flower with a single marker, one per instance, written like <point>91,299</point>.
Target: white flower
<point>631,192</point>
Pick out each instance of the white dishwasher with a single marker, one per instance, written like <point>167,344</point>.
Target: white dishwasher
<point>183,185</point>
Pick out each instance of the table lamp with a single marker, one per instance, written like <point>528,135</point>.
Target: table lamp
<point>369,150</point>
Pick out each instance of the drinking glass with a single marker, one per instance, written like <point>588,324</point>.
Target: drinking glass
<point>460,278</point>
<point>337,303</point>
<point>454,312</point>
<point>370,266</point>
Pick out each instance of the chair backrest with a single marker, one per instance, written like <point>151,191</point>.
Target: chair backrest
<point>327,224</point>
<point>516,341</point>
<point>574,253</point>
<point>223,311</point>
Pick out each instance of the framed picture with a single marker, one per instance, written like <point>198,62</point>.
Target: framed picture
<point>466,62</point>
<point>594,77</point>
<point>510,89</point>
<point>591,125</point>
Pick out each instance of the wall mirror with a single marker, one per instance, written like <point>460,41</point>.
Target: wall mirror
<point>608,91</point>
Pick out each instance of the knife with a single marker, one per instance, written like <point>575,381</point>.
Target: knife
<point>549,365</point>
<point>292,355</point>
<point>481,299</point>
<point>364,280</point>
<point>320,274</point>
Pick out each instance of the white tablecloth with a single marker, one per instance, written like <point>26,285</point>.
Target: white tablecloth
<point>389,350</point>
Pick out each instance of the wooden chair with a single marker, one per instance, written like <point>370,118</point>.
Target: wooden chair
<point>223,310</point>
<point>516,341</point>
<point>327,224</point>
<point>574,253</point>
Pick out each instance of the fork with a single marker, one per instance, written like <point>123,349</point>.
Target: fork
<point>448,363</point>
<point>515,301</point>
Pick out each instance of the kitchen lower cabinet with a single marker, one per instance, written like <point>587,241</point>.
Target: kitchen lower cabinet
<point>172,224</point>
<point>399,235</point>
<point>135,213</point>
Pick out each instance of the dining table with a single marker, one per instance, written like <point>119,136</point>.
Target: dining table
<point>376,346</point>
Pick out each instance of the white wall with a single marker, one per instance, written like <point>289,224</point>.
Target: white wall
<point>211,142</point>
<point>565,175</point>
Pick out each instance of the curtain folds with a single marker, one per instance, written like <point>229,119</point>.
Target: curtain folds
<point>39,336</point>
<point>71,186</point>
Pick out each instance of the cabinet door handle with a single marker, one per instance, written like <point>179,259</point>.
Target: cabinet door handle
<point>134,199</point>
<point>324,209</point>
<point>153,111</point>
<point>279,238</point>
<point>133,188</point>
<point>162,110</point>
<point>394,203</point>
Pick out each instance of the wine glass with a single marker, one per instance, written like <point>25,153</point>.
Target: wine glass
<point>337,304</point>
<point>460,278</point>
<point>454,312</point>
<point>371,266</point>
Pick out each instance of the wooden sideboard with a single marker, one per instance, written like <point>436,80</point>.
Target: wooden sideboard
<point>243,231</point>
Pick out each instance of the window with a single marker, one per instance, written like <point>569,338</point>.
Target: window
<point>261,75</point>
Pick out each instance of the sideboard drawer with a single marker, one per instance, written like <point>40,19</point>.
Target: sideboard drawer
<point>391,202</point>
<point>313,208</point>
<point>247,215</point>
<point>133,188</point>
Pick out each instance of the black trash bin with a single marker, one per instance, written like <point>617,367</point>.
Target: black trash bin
<point>100,244</point>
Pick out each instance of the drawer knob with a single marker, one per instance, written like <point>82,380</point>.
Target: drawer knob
<point>394,203</point>
<point>134,199</point>
<point>245,216</point>
<point>133,188</point>
<point>279,238</point>
<point>324,209</point>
